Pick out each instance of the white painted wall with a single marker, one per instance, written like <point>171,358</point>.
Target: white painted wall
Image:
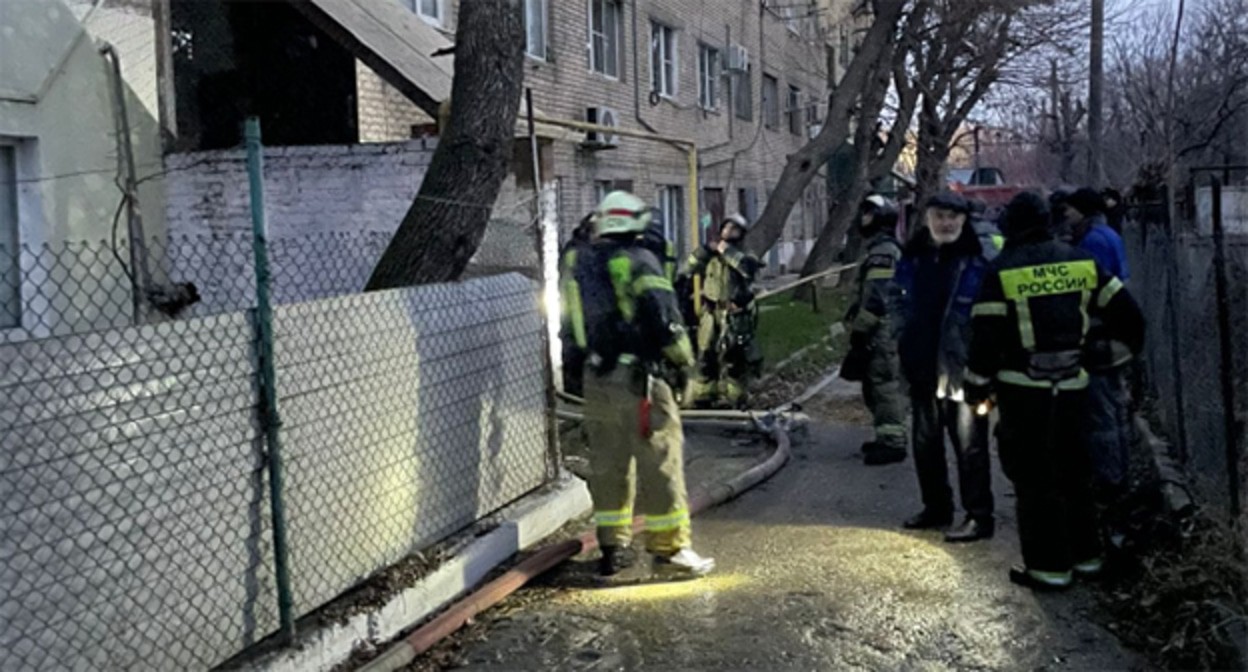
<point>56,101</point>
<point>330,210</point>
<point>57,109</point>
<point>307,190</point>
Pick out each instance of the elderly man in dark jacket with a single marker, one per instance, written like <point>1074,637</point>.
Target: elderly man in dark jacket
<point>939,277</point>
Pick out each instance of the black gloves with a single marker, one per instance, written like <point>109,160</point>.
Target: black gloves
<point>854,368</point>
<point>859,341</point>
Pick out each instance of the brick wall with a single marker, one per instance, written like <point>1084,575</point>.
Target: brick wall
<point>313,189</point>
<point>385,114</point>
<point>735,154</point>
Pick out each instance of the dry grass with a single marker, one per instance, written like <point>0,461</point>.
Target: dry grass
<point>1182,600</point>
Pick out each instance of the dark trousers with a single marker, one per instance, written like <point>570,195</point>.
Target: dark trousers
<point>1043,453</point>
<point>933,420</point>
<point>1109,431</point>
<point>574,370</point>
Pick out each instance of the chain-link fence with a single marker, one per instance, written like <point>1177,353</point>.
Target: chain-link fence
<point>137,528</point>
<point>1175,279</point>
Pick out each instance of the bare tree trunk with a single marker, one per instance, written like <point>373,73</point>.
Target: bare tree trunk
<point>933,153</point>
<point>840,221</point>
<point>868,166</point>
<point>802,166</point>
<point>446,223</point>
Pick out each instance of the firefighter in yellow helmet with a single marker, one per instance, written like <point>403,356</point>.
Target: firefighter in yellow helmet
<point>728,355</point>
<point>638,349</point>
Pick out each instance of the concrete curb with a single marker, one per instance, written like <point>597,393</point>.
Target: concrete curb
<point>524,524</point>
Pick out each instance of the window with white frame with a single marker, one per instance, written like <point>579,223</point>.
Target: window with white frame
<point>663,50</point>
<point>605,20</point>
<point>671,209</point>
<point>10,278</point>
<point>535,28</point>
<point>708,77</point>
<point>771,102</point>
<point>794,110</point>
<point>430,10</point>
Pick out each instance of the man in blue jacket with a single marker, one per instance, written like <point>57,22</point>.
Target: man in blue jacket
<point>939,277</point>
<point>1108,430</point>
<point>1085,213</point>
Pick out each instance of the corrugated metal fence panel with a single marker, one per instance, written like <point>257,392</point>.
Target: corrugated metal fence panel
<point>135,521</point>
<point>408,415</point>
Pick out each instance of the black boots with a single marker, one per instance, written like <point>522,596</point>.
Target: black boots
<point>875,454</point>
<point>615,559</point>
<point>1041,581</point>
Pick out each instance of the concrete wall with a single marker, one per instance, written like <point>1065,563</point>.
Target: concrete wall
<point>135,524</point>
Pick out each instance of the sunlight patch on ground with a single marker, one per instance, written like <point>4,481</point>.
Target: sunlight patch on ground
<point>659,592</point>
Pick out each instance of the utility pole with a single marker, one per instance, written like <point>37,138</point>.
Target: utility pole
<point>1096,101</point>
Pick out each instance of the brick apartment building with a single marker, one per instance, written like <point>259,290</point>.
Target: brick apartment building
<point>745,79</point>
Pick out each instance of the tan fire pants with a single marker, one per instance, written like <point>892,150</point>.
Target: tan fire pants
<point>618,451</point>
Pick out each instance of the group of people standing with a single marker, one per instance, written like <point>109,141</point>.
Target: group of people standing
<point>1030,319</point>
<point>1028,322</point>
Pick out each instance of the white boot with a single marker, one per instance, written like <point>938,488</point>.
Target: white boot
<point>685,563</point>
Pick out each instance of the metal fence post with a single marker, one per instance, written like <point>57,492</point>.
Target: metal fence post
<point>269,417</point>
<point>1172,299</point>
<point>1227,352</point>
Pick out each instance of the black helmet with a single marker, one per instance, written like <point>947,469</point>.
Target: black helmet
<point>1087,201</point>
<point>1025,212</point>
<point>947,200</point>
<point>883,210</point>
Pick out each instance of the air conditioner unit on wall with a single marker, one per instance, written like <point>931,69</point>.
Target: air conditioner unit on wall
<point>738,58</point>
<point>602,116</point>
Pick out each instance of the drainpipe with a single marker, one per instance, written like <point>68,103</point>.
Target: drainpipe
<point>140,278</point>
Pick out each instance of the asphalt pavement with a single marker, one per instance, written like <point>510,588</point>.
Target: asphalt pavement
<point>814,573</point>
